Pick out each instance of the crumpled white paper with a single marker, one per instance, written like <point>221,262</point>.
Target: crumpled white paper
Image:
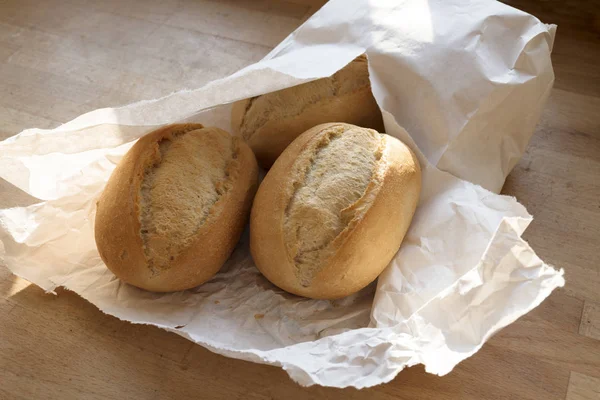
<point>467,79</point>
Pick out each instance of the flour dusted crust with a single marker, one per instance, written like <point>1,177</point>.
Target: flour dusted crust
<point>269,123</point>
<point>333,210</point>
<point>175,206</point>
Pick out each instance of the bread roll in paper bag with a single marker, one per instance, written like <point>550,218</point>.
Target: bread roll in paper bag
<point>460,82</point>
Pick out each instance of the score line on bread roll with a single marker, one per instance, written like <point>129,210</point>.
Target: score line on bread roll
<point>175,207</point>
<point>270,122</point>
<point>333,210</point>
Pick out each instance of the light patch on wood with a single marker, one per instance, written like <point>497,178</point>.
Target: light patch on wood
<point>583,387</point>
<point>590,321</point>
<point>17,285</point>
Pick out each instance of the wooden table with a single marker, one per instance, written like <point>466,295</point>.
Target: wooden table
<point>61,58</point>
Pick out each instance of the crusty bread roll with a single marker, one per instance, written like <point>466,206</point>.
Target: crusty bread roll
<point>175,207</point>
<point>269,123</point>
<point>333,210</point>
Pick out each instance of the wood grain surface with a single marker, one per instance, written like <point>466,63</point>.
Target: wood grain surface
<point>61,58</point>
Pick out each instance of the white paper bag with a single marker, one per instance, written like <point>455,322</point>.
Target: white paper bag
<point>461,82</point>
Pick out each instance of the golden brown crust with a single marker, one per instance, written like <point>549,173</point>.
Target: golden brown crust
<point>117,224</point>
<point>269,123</point>
<point>238,110</point>
<point>363,250</point>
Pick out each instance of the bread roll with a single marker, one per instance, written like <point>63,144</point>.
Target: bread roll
<point>269,123</point>
<point>333,210</point>
<point>175,207</point>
